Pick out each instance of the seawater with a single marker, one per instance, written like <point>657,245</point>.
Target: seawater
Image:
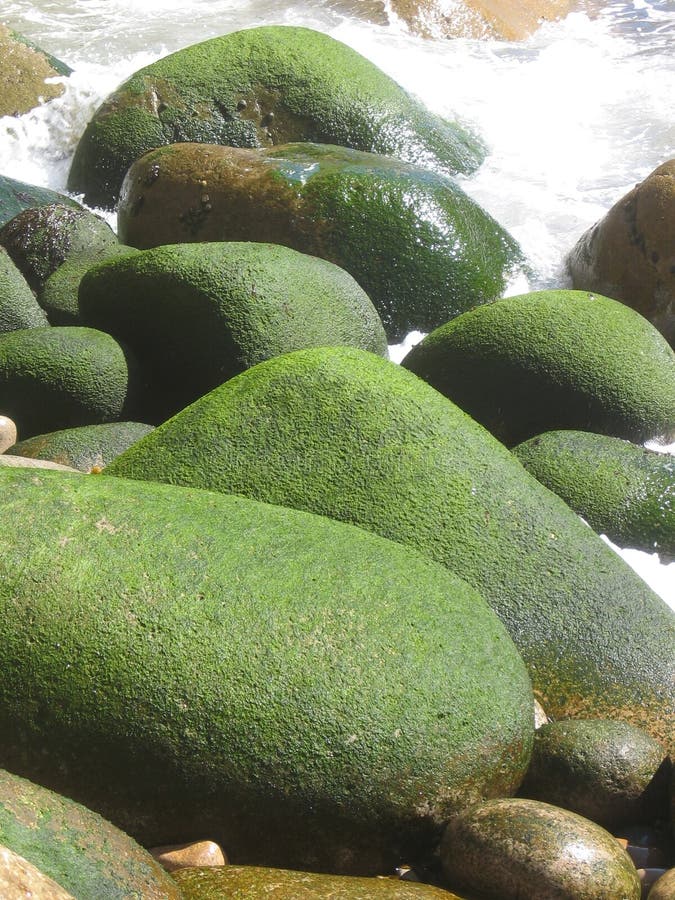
<point>573,117</point>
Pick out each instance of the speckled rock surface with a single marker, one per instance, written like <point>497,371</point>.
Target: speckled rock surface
<point>18,306</point>
<point>84,448</point>
<point>664,888</point>
<point>21,880</point>
<point>183,856</point>
<point>24,70</point>
<point>17,195</point>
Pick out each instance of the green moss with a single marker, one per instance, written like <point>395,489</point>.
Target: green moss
<point>18,306</point>
<point>197,314</point>
<point>52,378</point>
<point>258,87</point>
<point>345,434</point>
<point>554,360</point>
<point>85,447</point>
<point>17,195</point>
<point>622,490</point>
<point>86,855</point>
<point>300,691</point>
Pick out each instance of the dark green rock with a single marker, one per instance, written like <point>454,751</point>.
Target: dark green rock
<point>417,244</point>
<point>345,434</point>
<point>622,490</point>
<point>610,772</point>
<point>84,448</point>
<point>197,314</point>
<point>302,692</point>
<point>18,306</point>
<point>554,360</point>
<point>17,195</point>
<point>53,378</point>
<point>82,852</point>
<point>257,87</point>
<point>39,239</point>
<point>510,849</point>
<point>58,296</point>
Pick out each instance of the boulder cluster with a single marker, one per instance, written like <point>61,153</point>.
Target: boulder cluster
<point>276,612</point>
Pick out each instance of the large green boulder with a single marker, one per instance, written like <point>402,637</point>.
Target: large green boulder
<point>345,434</point>
<point>303,692</point>
<point>554,360</point>
<point>622,490</point>
<point>417,244</point>
<point>85,448</point>
<point>18,306</point>
<point>17,195</point>
<point>28,75</point>
<point>256,87</point>
<point>197,314</point>
<point>82,852</point>
<point>53,378</point>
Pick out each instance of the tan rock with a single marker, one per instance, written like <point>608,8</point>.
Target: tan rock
<point>26,463</point>
<point>629,255</point>
<point>23,71</point>
<point>664,887</point>
<point>20,880</point>
<point>7,433</point>
<point>182,856</point>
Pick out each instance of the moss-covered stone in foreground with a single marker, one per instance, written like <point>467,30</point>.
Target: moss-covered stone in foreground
<point>259,87</point>
<point>18,306</point>
<point>304,693</point>
<point>83,448</point>
<point>345,434</point>
<point>622,490</point>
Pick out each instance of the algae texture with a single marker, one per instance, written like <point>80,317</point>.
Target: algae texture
<point>342,433</point>
<point>83,448</point>
<point>622,490</point>
<point>303,692</point>
<point>255,88</point>
<point>18,306</point>
<point>554,360</point>
<point>17,195</point>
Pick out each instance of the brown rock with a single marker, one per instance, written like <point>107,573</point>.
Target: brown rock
<point>7,459</point>
<point>664,887</point>
<point>20,880</point>
<point>23,71</point>
<point>629,255</point>
<point>182,856</point>
<point>7,433</point>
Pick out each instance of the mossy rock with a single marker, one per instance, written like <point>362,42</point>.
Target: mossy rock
<point>74,846</point>
<point>512,848</point>
<point>607,771</point>
<point>18,195</point>
<point>59,294</point>
<point>21,879</point>
<point>340,432</point>
<point>622,490</point>
<point>554,360</point>
<point>53,378</point>
<point>197,314</point>
<point>417,244</point>
<point>40,239</point>
<point>24,73</point>
<point>18,306</point>
<point>303,692</point>
<point>258,87</point>
<point>254,882</point>
<point>84,448</point>
<point>664,888</point>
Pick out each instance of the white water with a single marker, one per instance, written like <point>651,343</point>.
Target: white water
<point>573,117</point>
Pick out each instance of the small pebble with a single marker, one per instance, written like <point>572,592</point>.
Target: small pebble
<point>182,856</point>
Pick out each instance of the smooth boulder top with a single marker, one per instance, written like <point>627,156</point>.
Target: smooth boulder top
<point>512,848</point>
<point>622,490</point>
<point>303,692</point>
<point>554,360</point>
<point>420,247</point>
<point>345,434</point>
<point>255,88</point>
<point>69,843</point>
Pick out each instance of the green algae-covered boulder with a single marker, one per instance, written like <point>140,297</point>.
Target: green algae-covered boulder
<point>622,490</point>
<point>417,244</point>
<point>39,239</point>
<point>610,772</point>
<point>512,848</point>
<point>254,882</point>
<point>17,195</point>
<point>554,360</point>
<point>295,688</point>
<point>58,296</point>
<point>82,852</point>
<point>84,448</point>
<point>53,378</point>
<point>345,434</point>
<point>257,87</point>
<point>18,306</point>
<point>197,314</point>
<point>27,74</point>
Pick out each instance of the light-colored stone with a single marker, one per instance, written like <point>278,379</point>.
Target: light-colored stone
<point>7,433</point>
<point>183,856</point>
<point>21,880</point>
<point>664,887</point>
<point>26,463</point>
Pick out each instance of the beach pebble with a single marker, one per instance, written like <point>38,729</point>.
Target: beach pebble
<point>7,433</point>
<point>197,853</point>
